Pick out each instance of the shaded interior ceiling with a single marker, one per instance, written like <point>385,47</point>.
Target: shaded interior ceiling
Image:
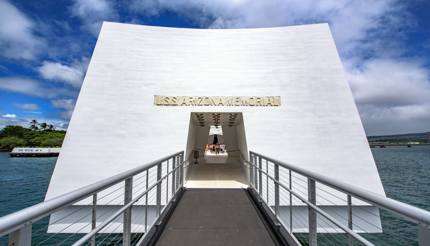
<point>217,119</point>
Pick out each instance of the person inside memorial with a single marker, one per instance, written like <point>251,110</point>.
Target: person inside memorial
<point>215,150</point>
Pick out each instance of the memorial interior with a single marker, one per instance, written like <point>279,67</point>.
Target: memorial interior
<point>215,142</point>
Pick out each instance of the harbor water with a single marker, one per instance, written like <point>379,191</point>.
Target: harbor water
<point>405,174</point>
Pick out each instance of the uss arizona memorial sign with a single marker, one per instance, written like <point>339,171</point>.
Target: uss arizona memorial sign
<point>265,101</point>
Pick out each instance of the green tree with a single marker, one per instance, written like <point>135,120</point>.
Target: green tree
<point>43,126</point>
<point>17,131</point>
<point>33,125</point>
<point>36,141</point>
<point>9,143</point>
<point>52,142</point>
<point>31,137</point>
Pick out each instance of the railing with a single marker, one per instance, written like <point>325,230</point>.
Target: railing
<point>283,189</point>
<point>148,189</point>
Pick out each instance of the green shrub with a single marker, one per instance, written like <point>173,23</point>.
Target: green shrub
<point>14,131</point>
<point>45,136</point>
<point>11,142</point>
<point>52,142</point>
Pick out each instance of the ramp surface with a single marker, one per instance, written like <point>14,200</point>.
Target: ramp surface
<point>215,217</point>
<point>219,176</point>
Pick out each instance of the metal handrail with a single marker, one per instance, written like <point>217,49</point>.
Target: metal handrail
<point>121,211</point>
<point>407,211</point>
<point>18,219</point>
<point>316,208</point>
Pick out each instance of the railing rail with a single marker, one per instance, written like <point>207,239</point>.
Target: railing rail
<point>410,212</point>
<point>18,224</point>
<point>121,211</point>
<point>256,170</point>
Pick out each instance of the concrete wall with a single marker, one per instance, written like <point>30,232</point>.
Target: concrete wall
<point>115,125</point>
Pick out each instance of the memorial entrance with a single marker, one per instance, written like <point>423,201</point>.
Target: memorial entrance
<point>215,142</point>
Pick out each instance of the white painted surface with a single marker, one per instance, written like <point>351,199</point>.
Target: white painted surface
<point>215,158</point>
<point>115,125</point>
<point>222,176</point>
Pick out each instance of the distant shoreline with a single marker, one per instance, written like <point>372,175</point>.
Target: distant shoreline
<point>39,135</point>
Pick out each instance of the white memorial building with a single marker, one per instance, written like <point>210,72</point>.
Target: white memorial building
<point>152,91</point>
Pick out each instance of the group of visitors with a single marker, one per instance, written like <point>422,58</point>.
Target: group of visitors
<point>216,148</point>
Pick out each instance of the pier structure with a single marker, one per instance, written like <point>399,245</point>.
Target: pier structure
<point>387,144</point>
<point>34,152</point>
<point>273,103</point>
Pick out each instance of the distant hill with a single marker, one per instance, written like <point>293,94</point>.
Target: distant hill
<point>409,137</point>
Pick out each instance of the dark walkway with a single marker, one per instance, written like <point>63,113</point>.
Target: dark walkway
<point>215,217</point>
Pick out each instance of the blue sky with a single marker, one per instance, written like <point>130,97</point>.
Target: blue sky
<point>45,47</point>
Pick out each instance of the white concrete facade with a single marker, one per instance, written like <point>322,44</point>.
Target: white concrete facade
<point>116,126</point>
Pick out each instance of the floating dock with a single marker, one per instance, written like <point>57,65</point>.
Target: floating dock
<point>34,152</point>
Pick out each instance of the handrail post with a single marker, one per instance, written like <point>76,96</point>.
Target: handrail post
<point>251,169</point>
<point>146,199</point>
<point>312,214</point>
<point>158,199</point>
<point>423,235</point>
<point>182,173</point>
<point>128,196</point>
<point>174,175</point>
<point>276,182</point>
<point>267,181</point>
<point>93,219</point>
<point>178,173</point>
<point>349,201</point>
<point>255,172</point>
<point>260,182</point>
<point>291,200</point>
<point>22,236</point>
<point>167,180</point>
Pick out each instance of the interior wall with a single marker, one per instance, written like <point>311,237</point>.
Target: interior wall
<point>241,143</point>
<point>191,140</point>
<point>241,139</point>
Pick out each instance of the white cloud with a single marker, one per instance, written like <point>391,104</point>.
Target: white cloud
<point>25,122</point>
<point>12,122</point>
<point>390,83</point>
<point>9,116</point>
<point>93,12</point>
<point>21,85</point>
<point>32,88</point>
<point>18,39</point>
<point>67,104</point>
<point>73,74</point>
<point>350,20</point>
<point>393,95</point>
<point>27,106</point>
<point>394,120</point>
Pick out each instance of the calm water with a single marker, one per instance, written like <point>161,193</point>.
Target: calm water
<point>23,181</point>
<point>405,174</point>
